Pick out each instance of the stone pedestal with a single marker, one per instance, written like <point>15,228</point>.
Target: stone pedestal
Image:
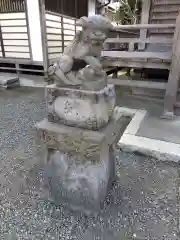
<point>80,164</point>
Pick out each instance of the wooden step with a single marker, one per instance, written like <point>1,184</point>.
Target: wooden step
<point>164,15</point>
<point>146,83</point>
<point>164,21</point>
<point>165,8</point>
<point>165,2</point>
<point>162,31</point>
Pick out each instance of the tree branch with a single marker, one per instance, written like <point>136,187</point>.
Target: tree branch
<point>104,5</point>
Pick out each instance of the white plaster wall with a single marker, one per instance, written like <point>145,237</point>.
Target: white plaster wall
<point>35,29</point>
<point>91,7</point>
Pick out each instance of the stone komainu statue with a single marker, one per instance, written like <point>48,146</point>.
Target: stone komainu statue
<point>82,125</point>
<point>79,66</point>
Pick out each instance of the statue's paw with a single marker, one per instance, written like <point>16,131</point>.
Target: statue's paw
<point>65,63</point>
<point>51,70</point>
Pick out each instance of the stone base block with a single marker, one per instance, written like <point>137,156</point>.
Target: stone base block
<point>80,165</point>
<point>9,82</point>
<point>168,115</point>
<point>80,108</point>
<point>82,186</point>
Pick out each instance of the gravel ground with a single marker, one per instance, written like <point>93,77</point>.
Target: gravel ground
<point>144,203</point>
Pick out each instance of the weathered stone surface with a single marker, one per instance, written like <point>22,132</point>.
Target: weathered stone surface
<point>87,109</point>
<point>70,140</point>
<point>82,124</point>
<point>77,140</point>
<point>79,65</point>
<point>83,186</point>
<point>80,165</point>
<point>8,81</point>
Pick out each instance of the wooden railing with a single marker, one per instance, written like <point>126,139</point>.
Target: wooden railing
<point>157,52</point>
<point>132,44</point>
<point>132,41</point>
<point>124,31</point>
<point>8,6</point>
<point>143,26</point>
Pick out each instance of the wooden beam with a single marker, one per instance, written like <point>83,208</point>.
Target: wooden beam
<point>138,40</point>
<point>174,75</point>
<point>2,43</point>
<point>146,5</point>
<point>112,70</point>
<point>134,64</point>
<point>20,61</point>
<point>143,26</point>
<point>137,55</point>
<point>18,69</point>
<point>162,2</point>
<point>122,81</point>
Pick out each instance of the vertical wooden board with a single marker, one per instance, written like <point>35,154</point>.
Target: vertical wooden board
<point>174,75</point>
<point>8,6</point>
<point>146,5</point>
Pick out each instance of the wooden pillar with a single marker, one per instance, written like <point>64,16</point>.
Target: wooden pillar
<point>28,29</point>
<point>44,37</point>
<point>174,75</point>
<point>146,6</point>
<point>2,43</point>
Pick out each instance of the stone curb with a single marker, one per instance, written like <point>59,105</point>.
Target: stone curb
<point>161,150</point>
<point>164,151</point>
<point>31,83</point>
